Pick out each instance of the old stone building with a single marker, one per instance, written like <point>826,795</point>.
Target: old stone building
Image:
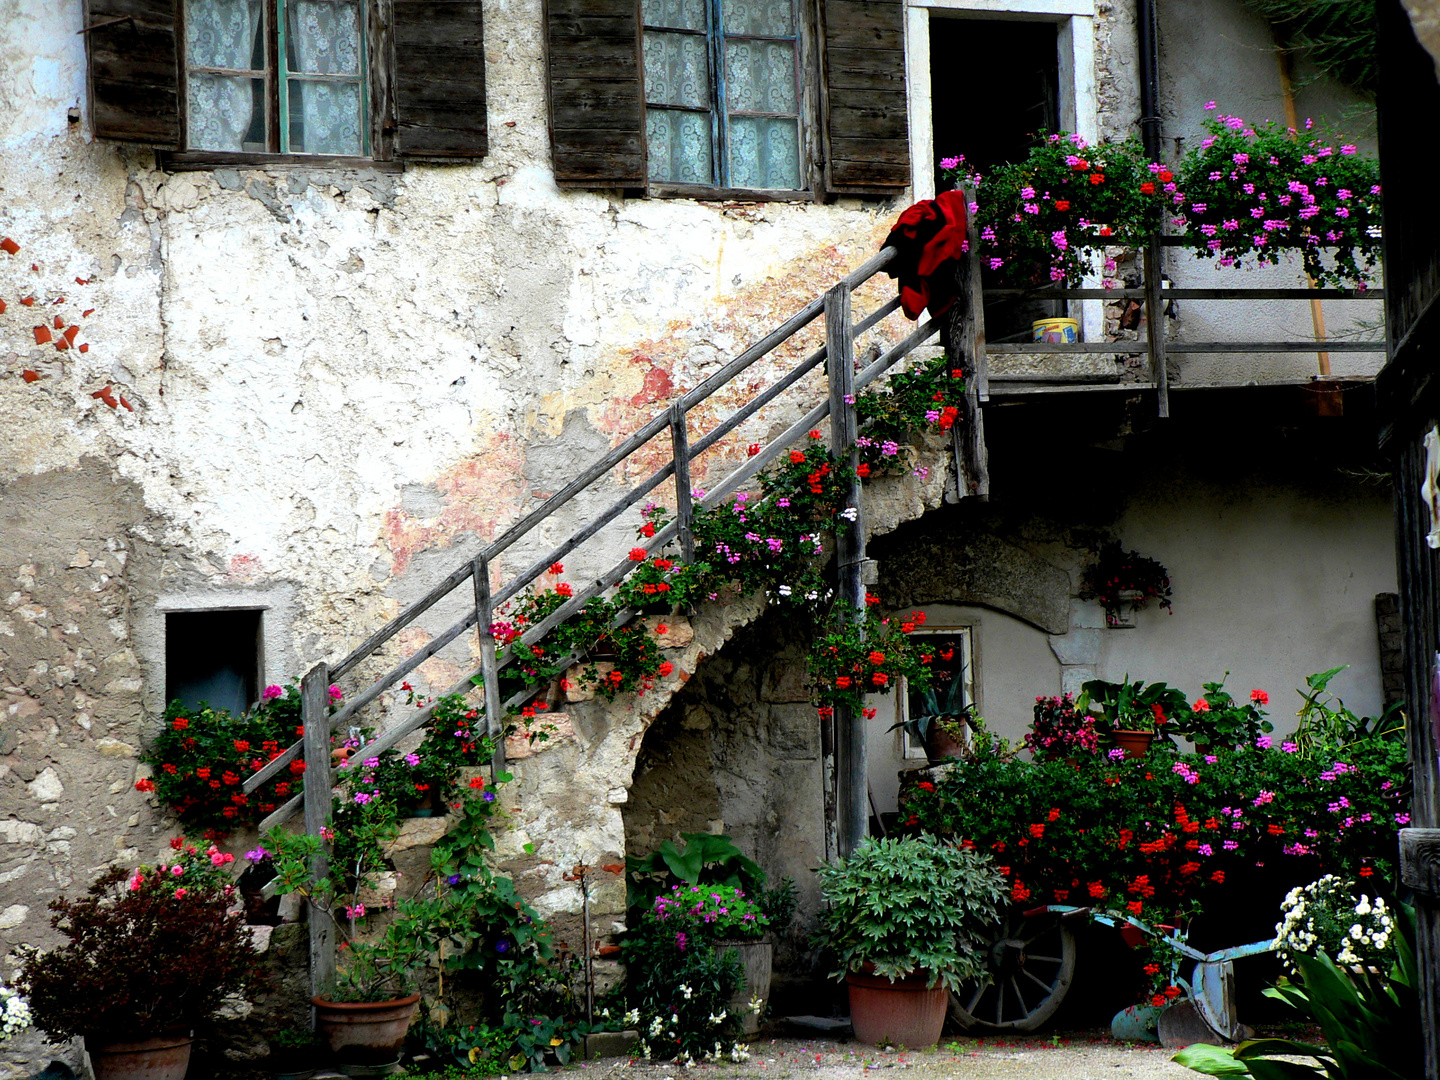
<point>305,302</point>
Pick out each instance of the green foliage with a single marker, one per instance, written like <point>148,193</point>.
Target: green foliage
<point>680,991</point>
<point>1061,729</point>
<point>943,707</point>
<point>144,952</point>
<point>1337,36</point>
<point>706,859</point>
<point>698,913</point>
<point>1370,1022</point>
<point>1327,726</point>
<point>1218,720</point>
<point>869,655</point>
<point>202,755</point>
<point>910,906</point>
<point>1127,706</point>
<point>1153,833</point>
<point>926,396</point>
<point>1046,218</point>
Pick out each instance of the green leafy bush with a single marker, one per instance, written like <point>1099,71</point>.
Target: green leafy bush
<point>911,906</point>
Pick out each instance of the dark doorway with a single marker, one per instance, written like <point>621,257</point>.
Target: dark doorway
<point>213,657</point>
<point>994,87</point>
<point>994,90</point>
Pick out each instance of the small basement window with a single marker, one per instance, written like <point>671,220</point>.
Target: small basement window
<point>215,657</point>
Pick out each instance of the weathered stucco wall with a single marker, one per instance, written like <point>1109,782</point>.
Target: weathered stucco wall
<point>316,391</point>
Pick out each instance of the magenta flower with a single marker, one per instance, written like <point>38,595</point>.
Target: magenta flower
<point>271,693</point>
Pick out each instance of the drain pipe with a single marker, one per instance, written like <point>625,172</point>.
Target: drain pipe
<point>1145,20</point>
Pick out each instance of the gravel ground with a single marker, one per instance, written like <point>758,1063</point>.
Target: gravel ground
<point>1066,1056</point>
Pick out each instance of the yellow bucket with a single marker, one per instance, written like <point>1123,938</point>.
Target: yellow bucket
<point>1056,331</point>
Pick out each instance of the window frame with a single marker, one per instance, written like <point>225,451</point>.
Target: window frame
<point>910,749</point>
<point>806,104</point>
<point>375,104</point>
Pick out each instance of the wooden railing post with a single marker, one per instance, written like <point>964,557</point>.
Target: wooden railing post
<point>684,510</point>
<point>489,665</point>
<point>315,716</point>
<point>851,773</point>
<point>966,324</point>
<point>1155,325</point>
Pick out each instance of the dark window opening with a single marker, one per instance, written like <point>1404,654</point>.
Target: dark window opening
<point>992,108</point>
<point>213,657</point>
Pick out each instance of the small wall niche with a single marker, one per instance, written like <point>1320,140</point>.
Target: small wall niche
<point>214,656</point>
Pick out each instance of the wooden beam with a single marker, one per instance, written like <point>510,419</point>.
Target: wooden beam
<point>1155,326</point>
<point>314,706</point>
<point>489,669</point>
<point>851,766</point>
<point>684,510</point>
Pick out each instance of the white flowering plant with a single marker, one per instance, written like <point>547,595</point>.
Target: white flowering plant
<point>14,1013</point>
<point>1327,917</point>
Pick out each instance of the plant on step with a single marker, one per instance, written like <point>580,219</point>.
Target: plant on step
<point>710,913</point>
<point>1133,706</point>
<point>201,757</point>
<point>926,396</point>
<point>1249,193</point>
<point>145,951</point>
<point>1328,727</point>
<point>910,906</point>
<point>1217,720</point>
<point>1370,1021</point>
<point>868,655</point>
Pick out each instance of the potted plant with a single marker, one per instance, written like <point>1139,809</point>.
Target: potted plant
<point>1216,721</point>
<point>1132,714</point>
<point>940,717</point>
<point>907,920</point>
<point>723,917</point>
<point>148,956</point>
<point>1124,582</point>
<point>294,1054</point>
<point>1060,730</point>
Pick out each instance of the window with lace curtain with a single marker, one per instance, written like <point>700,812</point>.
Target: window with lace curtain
<point>722,93</point>
<point>276,76</point>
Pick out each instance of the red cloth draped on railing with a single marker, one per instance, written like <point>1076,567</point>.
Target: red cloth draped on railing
<point>928,236</point>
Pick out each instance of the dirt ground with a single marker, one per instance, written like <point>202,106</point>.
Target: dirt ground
<point>1062,1056</point>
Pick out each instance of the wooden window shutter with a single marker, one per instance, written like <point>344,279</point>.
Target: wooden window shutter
<point>134,58</point>
<point>597,115</point>
<point>439,79</point>
<point>867,134</point>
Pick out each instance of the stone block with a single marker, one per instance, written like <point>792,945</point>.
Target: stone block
<point>678,631</point>
<point>794,731</point>
<point>292,906</point>
<point>1071,678</point>
<point>420,832</point>
<point>1087,614</point>
<point>550,730</point>
<point>603,1044</point>
<point>1077,647</point>
<point>784,682</point>
<point>583,673</point>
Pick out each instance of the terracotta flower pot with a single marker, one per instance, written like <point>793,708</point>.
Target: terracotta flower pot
<point>1136,744</point>
<point>164,1057</point>
<point>366,1037</point>
<point>941,745</point>
<point>908,1012</point>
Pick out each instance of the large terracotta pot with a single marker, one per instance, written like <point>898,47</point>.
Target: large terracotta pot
<point>908,1012</point>
<point>941,745</point>
<point>165,1057</point>
<point>756,959</point>
<point>1136,744</point>
<point>366,1037</point>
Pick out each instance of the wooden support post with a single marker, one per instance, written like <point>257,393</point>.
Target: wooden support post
<point>1155,325</point>
<point>315,716</point>
<point>684,511</point>
<point>964,340</point>
<point>850,749</point>
<point>489,667</point>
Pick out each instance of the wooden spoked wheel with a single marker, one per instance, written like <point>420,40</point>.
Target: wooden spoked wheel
<point>1030,966</point>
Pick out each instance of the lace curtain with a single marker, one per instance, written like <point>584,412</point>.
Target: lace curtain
<point>225,112</point>
<point>760,151</point>
<point>322,37</point>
